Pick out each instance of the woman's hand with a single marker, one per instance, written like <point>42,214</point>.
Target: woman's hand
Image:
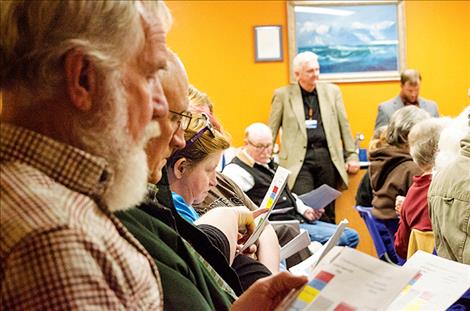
<point>246,223</point>
<point>399,203</point>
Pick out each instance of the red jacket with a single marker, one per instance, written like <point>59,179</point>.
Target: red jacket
<point>414,213</point>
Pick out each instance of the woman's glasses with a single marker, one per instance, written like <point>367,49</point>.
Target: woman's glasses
<point>201,120</point>
<point>207,126</point>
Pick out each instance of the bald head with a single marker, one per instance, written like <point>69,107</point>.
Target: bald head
<point>258,142</point>
<point>175,82</point>
<point>175,87</point>
<point>258,130</point>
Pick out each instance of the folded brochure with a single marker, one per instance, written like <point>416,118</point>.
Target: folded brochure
<point>269,201</point>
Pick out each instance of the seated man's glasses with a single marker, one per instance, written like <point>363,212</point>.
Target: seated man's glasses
<point>183,119</point>
<point>260,147</point>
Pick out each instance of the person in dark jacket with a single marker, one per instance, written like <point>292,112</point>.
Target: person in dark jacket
<point>391,168</point>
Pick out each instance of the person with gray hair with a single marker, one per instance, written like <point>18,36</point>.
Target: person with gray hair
<point>449,143</point>
<point>316,142</point>
<point>77,112</point>
<point>391,168</point>
<point>78,109</point>
<point>449,194</point>
<point>410,82</point>
<point>423,140</point>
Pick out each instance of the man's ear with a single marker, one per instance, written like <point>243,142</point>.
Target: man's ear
<point>245,142</point>
<point>80,79</point>
<point>180,168</point>
<point>296,75</point>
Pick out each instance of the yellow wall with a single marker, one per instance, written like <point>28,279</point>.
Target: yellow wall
<point>215,41</point>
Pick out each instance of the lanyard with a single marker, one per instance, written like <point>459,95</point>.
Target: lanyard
<point>310,113</point>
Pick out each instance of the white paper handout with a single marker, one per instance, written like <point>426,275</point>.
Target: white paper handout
<point>320,197</point>
<point>307,266</point>
<point>438,285</point>
<point>269,201</point>
<point>349,280</point>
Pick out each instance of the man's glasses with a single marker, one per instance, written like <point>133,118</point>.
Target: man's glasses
<point>260,147</point>
<point>183,120</point>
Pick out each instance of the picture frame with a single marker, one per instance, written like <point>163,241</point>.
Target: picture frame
<point>268,43</point>
<point>355,40</point>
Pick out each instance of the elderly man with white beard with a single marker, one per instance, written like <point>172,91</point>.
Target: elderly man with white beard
<point>80,87</point>
<point>77,111</point>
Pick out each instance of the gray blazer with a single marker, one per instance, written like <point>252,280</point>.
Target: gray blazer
<point>287,112</point>
<point>386,109</point>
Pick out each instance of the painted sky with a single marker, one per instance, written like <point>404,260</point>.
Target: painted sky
<point>347,25</point>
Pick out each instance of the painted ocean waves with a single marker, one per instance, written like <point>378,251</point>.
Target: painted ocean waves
<point>350,38</point>
<point>358,58</point>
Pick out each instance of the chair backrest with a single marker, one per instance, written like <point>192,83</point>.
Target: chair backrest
<point>420,240</point>
<point>381,249</point>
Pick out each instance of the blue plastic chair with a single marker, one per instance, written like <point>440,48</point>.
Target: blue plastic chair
<point>383,242</point>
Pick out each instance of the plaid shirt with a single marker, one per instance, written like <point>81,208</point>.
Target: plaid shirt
<point>60,247</point>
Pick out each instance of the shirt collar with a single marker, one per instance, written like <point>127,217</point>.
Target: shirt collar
<point>248,160</point>
<point>67,165</point>
<point>152,191</point>
<point>306,93</point>
<point>404,105</point>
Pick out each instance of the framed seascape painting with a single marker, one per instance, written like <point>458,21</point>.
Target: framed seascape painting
<point>354,40</point>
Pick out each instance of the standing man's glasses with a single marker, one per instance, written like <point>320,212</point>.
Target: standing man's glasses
<point>182,119</point>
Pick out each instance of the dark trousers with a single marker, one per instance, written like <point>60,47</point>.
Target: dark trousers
<point>318,169</point>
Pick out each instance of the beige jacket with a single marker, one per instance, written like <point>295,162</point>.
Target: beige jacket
<point>287,111</point>
<point>449,207</point>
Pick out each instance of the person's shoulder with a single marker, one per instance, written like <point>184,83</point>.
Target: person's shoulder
<point>428,103</point>
<point>286,89</point>
<point>233,169</point>
<point>427,100</point>
<point>388,103</point>
<point>328,86</point>
<point>45,203</point>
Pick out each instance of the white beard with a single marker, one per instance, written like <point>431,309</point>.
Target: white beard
<point>106,135</point>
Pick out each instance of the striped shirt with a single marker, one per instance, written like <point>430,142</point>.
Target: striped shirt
<point>60,247</point>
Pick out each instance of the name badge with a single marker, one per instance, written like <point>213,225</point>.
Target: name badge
<point>311,124</point>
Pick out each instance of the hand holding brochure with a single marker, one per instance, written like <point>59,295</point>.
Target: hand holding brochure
<point>320,197</point>
<point>269,201</point>
<point>346,279</point>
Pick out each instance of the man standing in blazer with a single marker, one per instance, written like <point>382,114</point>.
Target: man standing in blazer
<point>316,142</point>
<point>410,81</point>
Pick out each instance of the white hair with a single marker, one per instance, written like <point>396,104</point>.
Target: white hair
<point>302,58</point>
<point>104,133</point>
<point>449,142</point>
<point>423,140</point>
<point>257,128</point>
<point>35,36</point>
<point>401,123</point>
